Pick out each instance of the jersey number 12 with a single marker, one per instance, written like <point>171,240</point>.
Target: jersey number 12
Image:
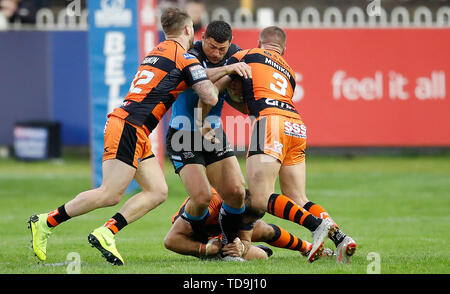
<point>142,77</point>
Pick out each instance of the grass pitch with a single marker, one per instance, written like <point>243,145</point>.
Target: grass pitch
<point>396,208</point>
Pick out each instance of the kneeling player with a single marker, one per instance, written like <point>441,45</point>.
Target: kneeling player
<point>182,240</point>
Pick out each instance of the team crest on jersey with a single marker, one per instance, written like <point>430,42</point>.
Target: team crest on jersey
<point>188,56</point>
<point>198,72</point>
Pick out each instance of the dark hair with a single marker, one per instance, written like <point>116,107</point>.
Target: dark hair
<point>219,30</point>
<point>173,20</point>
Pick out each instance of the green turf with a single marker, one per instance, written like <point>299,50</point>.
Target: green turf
<point>397,207</point>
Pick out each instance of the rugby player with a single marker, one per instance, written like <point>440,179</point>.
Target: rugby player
<point>199,161</point>
<point>166,71</point>
<point>180,238</point>
<point>278,143</point>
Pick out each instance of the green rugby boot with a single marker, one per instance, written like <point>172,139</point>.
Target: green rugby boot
<point>103,239</point>
<point>40,232</point>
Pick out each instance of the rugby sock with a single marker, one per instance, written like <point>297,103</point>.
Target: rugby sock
<point>57,216</point>
<point>320,212</point>
<point>284,239</point>
<point>337,237</point>
<point>116,223</point>
<point>317,211</point>
<point>230,220</point>
<point>283,207</point>
<point>198,225</point>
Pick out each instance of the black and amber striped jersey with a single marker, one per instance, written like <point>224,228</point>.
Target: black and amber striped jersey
<point>271,88</point>
<point>164,73</point>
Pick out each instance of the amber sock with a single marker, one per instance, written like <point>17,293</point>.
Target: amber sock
<point>320,212</point>
<point>283,207</point>
<point>317,211</point>
<point>284,239</point>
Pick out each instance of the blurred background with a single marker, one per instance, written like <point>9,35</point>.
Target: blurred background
<point>371,75</point>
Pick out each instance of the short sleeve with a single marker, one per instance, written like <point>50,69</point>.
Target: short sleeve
<point>192,71</point>
<point>235,58</point>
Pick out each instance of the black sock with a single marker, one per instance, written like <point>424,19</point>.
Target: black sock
<point>57,216</point>
<point>230,220</point>
<point>116,223</point>
<point>337,237</point>
<point>198,226</point>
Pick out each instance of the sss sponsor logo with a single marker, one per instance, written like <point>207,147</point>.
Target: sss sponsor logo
<point>295,129</point>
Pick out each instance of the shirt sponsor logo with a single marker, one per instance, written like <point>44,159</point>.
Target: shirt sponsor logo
<point>150,60</point>
<point>188,56</point>
<point>198,72</point>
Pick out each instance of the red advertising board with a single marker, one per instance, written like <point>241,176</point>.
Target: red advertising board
<point>368,87</point>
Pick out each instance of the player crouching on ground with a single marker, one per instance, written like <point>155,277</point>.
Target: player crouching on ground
<point>181,239</point>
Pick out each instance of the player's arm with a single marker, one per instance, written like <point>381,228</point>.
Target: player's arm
<point>179,240</point>
<point>205,103</point>
<point>207,92</point>
<point>195,76</point>
<point>241,68</point>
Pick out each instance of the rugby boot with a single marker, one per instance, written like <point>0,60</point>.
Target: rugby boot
<point>345,250</point>
<point>40,232</point>
<point>319,235</point>
<point>103,239</point>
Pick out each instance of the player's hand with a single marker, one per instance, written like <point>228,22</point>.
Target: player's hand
<point>213,247</point>
<point>208,132</point>
<point>235,249</point>
<point>241,68</point>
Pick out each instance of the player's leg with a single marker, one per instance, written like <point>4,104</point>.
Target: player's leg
<point>278,237</point>
<point>116,177</point>
<point>226,177</point>
<point>262,171</point>
<point>292,183</point>
<point>190,166</point>
<point>151,179</point>
<point>133,145</point>
<point>198,188</point>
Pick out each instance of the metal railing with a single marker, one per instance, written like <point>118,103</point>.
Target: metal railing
<point>287,17</point>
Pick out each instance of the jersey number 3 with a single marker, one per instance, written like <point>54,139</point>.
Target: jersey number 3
<point>142,77</point>
<point>281,84</point>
